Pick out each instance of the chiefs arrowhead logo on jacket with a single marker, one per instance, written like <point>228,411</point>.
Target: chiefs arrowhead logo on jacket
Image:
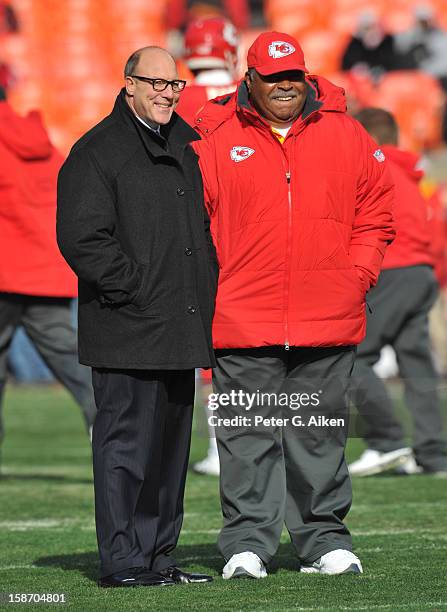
<point>238,154</point>
<point>279,48</point>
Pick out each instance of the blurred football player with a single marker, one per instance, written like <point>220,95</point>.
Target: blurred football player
<point>211,54</point>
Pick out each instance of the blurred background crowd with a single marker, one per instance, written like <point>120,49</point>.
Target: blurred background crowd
<point>66,59</point>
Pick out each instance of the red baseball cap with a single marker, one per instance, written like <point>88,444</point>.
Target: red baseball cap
<point>275,52</point>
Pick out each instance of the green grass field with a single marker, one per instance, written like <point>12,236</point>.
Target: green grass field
<point>48,545</point>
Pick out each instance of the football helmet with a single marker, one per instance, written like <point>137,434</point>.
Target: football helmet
<point>211,43</point>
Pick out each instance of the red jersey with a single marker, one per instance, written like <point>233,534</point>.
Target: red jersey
<point>412,244</point>
<point>196,95</point>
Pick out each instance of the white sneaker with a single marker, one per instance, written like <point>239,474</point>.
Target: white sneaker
<point>244,565</point>
<point>387,366</point>
<point>209,466</point>
<point>409,467</point>
<point>374,462</point>
<point>335,562</point>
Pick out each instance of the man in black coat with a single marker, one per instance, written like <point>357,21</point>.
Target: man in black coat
<point>132,225</point>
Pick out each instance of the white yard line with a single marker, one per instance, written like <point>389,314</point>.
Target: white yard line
<point>386,532</point>
<point>42,524</point>
<point>49,523</point>
<point>414,504</point>
<point>44,469</point>
<point>4,568</point>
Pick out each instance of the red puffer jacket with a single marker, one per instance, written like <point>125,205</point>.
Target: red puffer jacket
<point>300,228</point>
<point>412,244</point>
<point>30,259</point>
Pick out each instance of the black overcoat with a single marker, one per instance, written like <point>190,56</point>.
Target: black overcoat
<point>132,225</point>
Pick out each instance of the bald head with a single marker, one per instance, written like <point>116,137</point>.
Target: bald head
<point>142,67</point>
<point>146,54</point>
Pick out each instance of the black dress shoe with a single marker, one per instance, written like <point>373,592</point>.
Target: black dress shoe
<point>179,576</point>
<point>135,576</point>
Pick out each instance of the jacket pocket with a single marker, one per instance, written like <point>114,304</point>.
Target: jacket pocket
<point>363,279</point>
<point>142,303</point>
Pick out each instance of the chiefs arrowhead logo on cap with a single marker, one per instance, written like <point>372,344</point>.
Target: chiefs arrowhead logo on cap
<point>274,52</point>
<point>279,48</point>
<point>238,154</point>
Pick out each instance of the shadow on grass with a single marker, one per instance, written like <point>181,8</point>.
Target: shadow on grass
<point>81,563</point>
<point>203,556</point>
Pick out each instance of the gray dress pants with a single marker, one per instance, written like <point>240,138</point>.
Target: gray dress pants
<point>400,304</point>
<point>291,472</point>
<point>48,323</point>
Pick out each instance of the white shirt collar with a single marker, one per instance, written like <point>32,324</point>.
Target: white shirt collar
<point>154,129</point>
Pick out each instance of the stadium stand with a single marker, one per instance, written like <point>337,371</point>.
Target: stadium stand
<point>323,50</point>
<point>67,57</point>
<point>297,16</point>
<point>420,117</point>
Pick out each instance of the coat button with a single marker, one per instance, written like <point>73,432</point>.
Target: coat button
<point>191,309</point>
<point>188,251</point>
<point>180,191</point>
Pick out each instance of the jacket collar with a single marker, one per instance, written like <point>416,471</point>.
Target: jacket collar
<point>322,96</point>
<point>406,160</point>
<point>312,104</point>
<point>173,138</point>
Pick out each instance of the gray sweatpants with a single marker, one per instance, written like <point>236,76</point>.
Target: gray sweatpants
<point>292,472</point>
<point>400,304</point>
<point>48,323</point>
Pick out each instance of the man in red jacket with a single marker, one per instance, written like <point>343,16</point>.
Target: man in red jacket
<point>400,305</point>
<point>300,205</point>
<point>36,285</point>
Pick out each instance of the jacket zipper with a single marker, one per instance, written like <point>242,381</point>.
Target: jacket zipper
<point>288,254</point>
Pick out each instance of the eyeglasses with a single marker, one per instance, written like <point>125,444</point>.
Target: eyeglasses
<point>161,84</point>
